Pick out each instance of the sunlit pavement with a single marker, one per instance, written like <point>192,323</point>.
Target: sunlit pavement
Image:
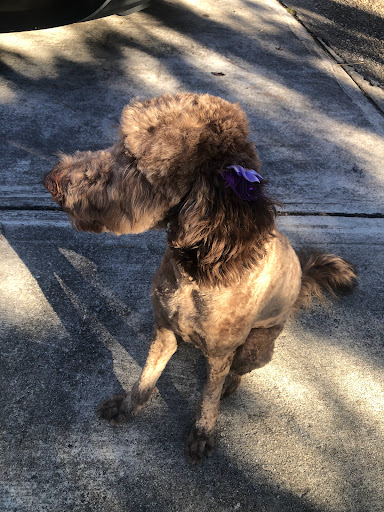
<point>305,433</point>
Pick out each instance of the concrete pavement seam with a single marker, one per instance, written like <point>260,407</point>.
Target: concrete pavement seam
<point>377,215</point>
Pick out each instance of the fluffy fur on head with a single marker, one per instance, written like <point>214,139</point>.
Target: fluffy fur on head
<point>166,168</point>
<point>178,137</point>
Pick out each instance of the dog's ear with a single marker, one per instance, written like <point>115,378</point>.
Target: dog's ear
<point>215,235</point>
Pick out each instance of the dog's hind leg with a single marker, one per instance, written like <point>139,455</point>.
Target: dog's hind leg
<point>119,408</point>
<point>256,352</point>
<point>200,442</point>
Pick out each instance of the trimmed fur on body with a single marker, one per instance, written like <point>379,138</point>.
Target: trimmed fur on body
<point>229,279</point>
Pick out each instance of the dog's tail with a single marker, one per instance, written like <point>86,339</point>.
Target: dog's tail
<point>322,274</point>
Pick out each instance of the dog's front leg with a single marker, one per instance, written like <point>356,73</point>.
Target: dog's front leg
<point>119,408</point>
<point>200,442</point>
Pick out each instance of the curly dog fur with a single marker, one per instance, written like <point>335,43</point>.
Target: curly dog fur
<point>229,279</point>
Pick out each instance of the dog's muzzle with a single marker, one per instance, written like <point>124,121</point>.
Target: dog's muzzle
<point>50,184</point>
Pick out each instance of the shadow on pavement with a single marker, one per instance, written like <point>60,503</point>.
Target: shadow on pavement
<point>112,64</point>
<point>53,444</point>
<point>294,426</point>
<point>354,31</point>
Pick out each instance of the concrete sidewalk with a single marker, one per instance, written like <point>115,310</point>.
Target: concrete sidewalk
<point>305,433</point>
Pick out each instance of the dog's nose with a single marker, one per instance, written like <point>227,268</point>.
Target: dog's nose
<point>50,184</point>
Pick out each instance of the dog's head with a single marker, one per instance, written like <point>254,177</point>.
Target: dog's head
<point>168,167</point>
<point>105,191</point>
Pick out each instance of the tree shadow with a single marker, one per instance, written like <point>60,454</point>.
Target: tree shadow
<point>173,48</point>
<point>57,451</point>
<point>272,454</point>
<point>337,22</point>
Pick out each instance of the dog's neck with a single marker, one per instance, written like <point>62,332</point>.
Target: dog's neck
<point>228,252</point>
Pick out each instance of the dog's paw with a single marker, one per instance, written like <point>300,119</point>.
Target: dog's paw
<point>116,410</point>
<point>200,445</point>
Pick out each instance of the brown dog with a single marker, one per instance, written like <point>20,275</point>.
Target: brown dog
<point>229,280</point>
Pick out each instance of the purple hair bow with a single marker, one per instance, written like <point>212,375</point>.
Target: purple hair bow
<point>240,180</point>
